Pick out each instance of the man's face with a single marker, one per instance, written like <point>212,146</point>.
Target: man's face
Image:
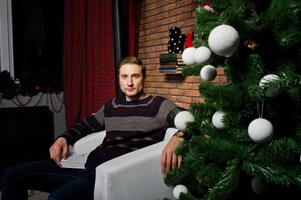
<point>131,81</point>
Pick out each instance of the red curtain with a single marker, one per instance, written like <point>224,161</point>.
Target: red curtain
<point>134,19</point>
<point>89,66</point>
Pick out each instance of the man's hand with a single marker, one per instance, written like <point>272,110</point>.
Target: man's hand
<point>59,149</point>
<point>169,159</point>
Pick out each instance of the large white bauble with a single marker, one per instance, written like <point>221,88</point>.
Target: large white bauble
<point>181,120</point>
<point>178,190</point>
<point>217,119</point>
<point>260,130</point>
<point>223,40</point>
<point>208,73</point>
<point>202,55</point>
<point>188,56</point>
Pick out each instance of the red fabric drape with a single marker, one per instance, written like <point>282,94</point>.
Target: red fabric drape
<point>89,66</point>
<point>134,20</point>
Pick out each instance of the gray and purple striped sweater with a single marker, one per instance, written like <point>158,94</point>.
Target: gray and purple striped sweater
<point>129,125</point>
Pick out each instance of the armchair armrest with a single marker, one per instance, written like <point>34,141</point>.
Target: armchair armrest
<point>134,176</point>
<point>88,143</point>
<point>78,153</point>
<point>169,133</point>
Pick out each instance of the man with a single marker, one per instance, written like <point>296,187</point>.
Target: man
<point>131,123</point>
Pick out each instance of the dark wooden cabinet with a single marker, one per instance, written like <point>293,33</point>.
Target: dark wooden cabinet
<point>26,134</point>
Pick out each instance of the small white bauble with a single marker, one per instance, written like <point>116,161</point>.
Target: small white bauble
<point>258,185</point>
<point>260,130</point>
<point>202,55</point>
<point>217,119</point>
<point>208,73</point>
<point>263,83</point>
<point>178,190</point>
<point>223,40</point>
<point>266,79</point>
<point>181,120</point>
<point>188,56</point>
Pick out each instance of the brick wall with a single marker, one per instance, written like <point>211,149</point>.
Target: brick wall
<point>157,17</point>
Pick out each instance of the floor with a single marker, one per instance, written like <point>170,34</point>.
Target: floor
<point>35,195</point>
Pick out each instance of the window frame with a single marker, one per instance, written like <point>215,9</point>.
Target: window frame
<point>6,37</point>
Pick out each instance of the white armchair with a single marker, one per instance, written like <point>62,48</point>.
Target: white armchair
<point>133,176</point>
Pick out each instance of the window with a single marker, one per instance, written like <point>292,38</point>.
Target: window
<point>33,31</point>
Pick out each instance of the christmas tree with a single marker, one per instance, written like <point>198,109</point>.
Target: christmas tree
<point>245,139</point>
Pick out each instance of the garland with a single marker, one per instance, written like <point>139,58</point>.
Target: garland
<point>10,88</point>
<point>53,101</point>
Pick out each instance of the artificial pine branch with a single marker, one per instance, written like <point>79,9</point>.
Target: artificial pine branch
<point>219,158</point>
<point>280,151</point>
<point>227,183</point>
<point>224,96</point>
<point>285,33</point>
<point>218,150</point>
<point>273,174</point>
<point>191,70</point>
<point>250,74</point>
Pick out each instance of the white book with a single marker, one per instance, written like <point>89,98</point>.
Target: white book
<point>76,161</point>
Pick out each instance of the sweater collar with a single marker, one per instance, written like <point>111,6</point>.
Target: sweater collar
<point>122,101</point>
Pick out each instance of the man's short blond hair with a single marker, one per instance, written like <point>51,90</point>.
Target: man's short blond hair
<point>133,60</point>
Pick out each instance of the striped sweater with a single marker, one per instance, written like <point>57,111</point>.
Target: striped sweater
<point>129,125</point>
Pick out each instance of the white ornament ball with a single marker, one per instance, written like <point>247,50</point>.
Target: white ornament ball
<point>188,56</point>
<point>268,78</point>
<point>260,130</point>
<point>208,73</point>
<point>263,83</point>
<point>181,120</point>
<point>258,185</point>
<point>202,55</point>
<point>223,40</point>
<point>178,190</point>
<point>217,119</point>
